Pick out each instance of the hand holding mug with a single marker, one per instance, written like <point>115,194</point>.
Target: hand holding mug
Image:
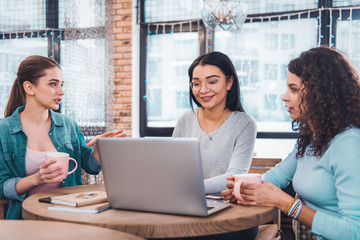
<point>228,193</point>
<point>55,168</point>
<point>248,178</point>
<point>260,193</point>
<point>49,173</point>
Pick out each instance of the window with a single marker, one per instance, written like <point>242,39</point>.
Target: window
<point>342,3</point>
<point>244,46</point>
<point>287,41</point>
<point>348,34</point>
<point>171,10</point>
<point>11,54</point>
<point>18,39</point>
<point>75,35</point>
<point>270,103</point>
<point>274,33</point>
<point>271,6</point>
<point>168,57</point>
<point>82,63</point>
<point>22,15</point>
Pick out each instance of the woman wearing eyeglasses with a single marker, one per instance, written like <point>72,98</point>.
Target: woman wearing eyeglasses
<point>226,133</point>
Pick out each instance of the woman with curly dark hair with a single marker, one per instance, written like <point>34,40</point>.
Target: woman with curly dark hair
<point>323,99</point>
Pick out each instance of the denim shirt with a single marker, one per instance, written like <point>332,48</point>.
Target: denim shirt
<point>65,135</point>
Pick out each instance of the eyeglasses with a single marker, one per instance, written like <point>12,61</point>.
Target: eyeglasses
<point>209,85</point>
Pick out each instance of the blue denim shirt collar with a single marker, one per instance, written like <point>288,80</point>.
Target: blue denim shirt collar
<point>15,124</point>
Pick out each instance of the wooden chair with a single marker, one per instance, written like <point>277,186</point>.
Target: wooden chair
<point>267,231</point>
<point>91,179</point>
<point>262,165</point>
<point>3,208</point>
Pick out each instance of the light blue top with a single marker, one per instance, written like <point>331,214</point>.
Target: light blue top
<point>229,151</point>
<point>329,184</point>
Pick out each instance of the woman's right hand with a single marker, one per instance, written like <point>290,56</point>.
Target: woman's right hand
<point>49,173</point>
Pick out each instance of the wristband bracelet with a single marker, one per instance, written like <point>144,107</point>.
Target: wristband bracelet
<point>293,208</point>
<point>298,210</point>
<point>287,209</point>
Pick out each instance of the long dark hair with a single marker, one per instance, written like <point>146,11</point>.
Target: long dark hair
<point>223,62</point>
<point>30,69</point>
<point>330,98</point>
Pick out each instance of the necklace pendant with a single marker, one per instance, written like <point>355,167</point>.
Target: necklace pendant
<point>210,138</point>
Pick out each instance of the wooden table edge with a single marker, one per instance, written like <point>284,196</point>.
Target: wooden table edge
<point>160,230</point>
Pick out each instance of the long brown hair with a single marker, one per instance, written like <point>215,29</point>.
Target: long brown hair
<point>30,69</point>
<point>331,98</point>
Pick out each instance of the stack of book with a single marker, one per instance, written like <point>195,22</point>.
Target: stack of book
<point>84,202</point>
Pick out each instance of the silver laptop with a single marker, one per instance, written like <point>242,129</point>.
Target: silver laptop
<point>155,175</point>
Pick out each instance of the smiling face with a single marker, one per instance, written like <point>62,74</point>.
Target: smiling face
<point>214,86</point>
<point>48,91</point>
<point>292,96</point>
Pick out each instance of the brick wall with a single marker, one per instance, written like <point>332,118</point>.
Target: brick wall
<point>122,23</point>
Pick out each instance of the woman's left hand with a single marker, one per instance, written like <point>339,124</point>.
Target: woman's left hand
<point>116,133</point>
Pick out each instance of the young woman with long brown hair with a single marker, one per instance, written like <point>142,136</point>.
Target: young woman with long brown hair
<point>31,129</point>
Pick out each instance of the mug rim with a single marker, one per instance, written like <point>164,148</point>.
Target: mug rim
<point>57,154</point>
<point>247,175</point>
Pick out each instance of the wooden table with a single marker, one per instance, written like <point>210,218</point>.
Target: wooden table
<point>45,230</point>
<point>150,225</point>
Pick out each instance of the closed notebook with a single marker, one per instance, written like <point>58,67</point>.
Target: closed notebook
<point>94,208</point>
<point>80,199</point>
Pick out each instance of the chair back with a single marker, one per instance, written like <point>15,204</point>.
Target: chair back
<point>3,208</point>
<point>262,165</point>
<point>267,231</point>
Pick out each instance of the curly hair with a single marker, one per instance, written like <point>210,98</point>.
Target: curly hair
<point>330,98</point>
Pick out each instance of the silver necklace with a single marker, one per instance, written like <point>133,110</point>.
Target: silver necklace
<point>216,131</point>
